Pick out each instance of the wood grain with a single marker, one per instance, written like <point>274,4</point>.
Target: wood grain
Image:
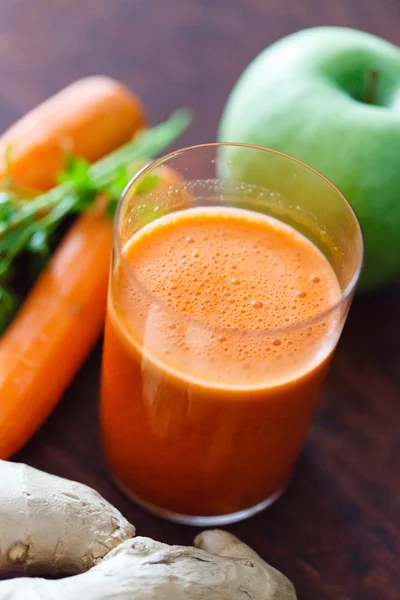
<point>336,531</point>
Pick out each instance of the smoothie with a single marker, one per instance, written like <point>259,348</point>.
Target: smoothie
<point>218,338</point>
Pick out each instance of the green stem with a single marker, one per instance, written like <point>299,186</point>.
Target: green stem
<point>370,86</point>
<point>148,144</point>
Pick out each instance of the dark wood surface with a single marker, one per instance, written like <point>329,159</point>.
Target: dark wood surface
<point>336,531</point>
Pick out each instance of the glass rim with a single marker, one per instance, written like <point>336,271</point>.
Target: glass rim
<point>157,162</point>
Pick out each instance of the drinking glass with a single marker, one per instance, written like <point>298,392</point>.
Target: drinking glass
<point>182,433</point>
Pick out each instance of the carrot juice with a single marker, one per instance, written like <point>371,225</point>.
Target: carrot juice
<point>215,351</point>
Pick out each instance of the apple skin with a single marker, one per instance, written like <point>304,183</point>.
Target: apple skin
<point>301,96</point>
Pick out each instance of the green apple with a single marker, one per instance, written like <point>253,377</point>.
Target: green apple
<point>330,97</point>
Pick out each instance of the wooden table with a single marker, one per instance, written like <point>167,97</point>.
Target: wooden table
<point>336,532</point>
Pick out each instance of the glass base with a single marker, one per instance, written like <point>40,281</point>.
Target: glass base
<point>200,521</point>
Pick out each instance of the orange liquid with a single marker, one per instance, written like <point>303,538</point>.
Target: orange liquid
<point>210,377</point>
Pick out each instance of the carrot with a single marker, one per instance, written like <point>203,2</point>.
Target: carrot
<point>89,118</point>
<point>57,326</point>
<point>54,330</point>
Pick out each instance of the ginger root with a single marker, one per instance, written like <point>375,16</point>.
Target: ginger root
<point>57,535</point>
<point>52,525</point>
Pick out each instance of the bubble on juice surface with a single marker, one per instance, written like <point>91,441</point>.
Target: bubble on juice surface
<point>257,304</point>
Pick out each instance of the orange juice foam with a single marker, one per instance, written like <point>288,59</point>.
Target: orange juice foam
<point>215,282</point>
